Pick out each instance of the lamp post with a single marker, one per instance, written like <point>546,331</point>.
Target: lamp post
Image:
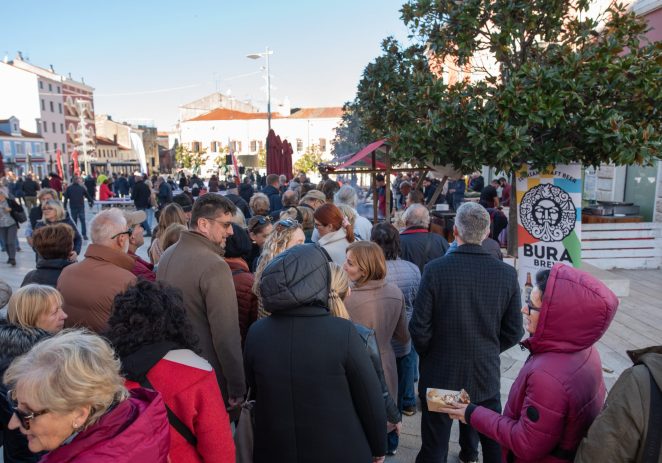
<point>265,54</point>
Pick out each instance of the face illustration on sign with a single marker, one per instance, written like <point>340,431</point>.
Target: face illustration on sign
<point>548,213</point>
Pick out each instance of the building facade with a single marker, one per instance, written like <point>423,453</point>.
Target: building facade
<point>22,151</point>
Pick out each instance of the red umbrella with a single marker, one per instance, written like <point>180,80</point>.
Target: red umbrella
<point>279,155</point>
<point>287,159</point>
<point>271,152</point>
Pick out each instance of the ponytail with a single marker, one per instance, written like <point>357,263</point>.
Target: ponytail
<point>337,306</point>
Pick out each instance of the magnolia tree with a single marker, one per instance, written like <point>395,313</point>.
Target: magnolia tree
<point>565,87</point>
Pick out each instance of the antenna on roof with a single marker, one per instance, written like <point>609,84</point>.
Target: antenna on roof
<point>20,55</point>
<point>50,68</point>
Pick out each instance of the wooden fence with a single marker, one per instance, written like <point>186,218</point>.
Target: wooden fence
<point>622,245</point>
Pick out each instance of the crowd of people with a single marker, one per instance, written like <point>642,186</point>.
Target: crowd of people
<point>272,322</point>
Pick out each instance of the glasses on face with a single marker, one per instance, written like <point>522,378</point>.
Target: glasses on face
<point>287,223</point>
<point>225,225</point>
<point>23,417</point>
<point>530,308</point>
<point>128,232</point>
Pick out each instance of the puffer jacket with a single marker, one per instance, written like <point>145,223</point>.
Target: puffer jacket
<point>335,243</point>
<point>246,300</point>
<point>406,276</point>
<point>620,432</point>
<point>15,341</point>
<point>560,390</point>
<point>317,396</point>
<point>135,430</point>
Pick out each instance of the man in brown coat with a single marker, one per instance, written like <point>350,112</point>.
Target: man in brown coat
<point>194,265</point>
<point>89,287</point>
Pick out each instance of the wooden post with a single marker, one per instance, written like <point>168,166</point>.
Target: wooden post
<point>375,205</point>
<point>387,177</point>
<point>437,192</point>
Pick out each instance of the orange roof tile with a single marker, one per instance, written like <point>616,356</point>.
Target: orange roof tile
<point>317,113</point>
<point>222,114</point>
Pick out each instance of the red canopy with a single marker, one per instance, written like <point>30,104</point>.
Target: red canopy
<point>363,153</point>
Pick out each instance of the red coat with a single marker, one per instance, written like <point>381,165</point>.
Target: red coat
<point>246,300</point>
<point>189,387</point>
<point>135,430</point>
<point>560,390</point>
<point>104,192</point>
<point>142,268</point>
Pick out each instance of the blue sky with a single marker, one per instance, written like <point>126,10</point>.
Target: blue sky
<point>145,58</point>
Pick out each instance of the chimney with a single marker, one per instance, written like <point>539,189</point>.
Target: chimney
<point>50,68</point>
<point>115,139</point>
<point>70,78</point>
<point>19,56</point>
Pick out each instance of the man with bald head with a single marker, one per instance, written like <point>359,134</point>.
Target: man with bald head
<point>89,287</point>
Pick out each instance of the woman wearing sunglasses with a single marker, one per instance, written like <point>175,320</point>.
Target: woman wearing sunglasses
<point>68,398</point>
<point>560,389</point>
<point>259,228</point>
<point>286,234</point>
<point>53,212</point>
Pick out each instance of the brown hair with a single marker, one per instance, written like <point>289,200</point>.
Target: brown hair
<point>329,214</point>
<point>171,235</point>
<point>54,241</point>
<point>369,257</point>
<point>259,204</point>
<point>172,213</point>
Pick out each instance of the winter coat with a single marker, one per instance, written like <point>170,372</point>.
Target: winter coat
<point>619,433</point>
<point>406,276</point>
<point>275,204</point>
<point>420,246</point>
<point>317,395</point>
<point>467,312</point>
<point>164,195</point>
<point>35,215</point>
<point>141,195</point>
<point>189,388</point>
<point>381,307</point>
<point>78,240</point>
<point>75,195</point>
<point>15,210</point>
<point>246,300</point>
<point>240,203</point>
<point>142,268</point>
<point>335,243</point>
<point>104,192</point>
<point>246,191</point>
<point>30,187</point>
<point>135,430</point>
<point>47,272</point>
<point>560,390</point>
<point>56,183</point>
<point>122,186</point>
<point>15,341</point>
<point>90,286</point>
<point>194,265</point>
<point>362,227</point>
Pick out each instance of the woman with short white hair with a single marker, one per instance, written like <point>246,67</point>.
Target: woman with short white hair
<point>53,212</point>
<point>68,397</point>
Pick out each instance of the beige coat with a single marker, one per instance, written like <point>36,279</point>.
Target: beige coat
<point>381,306</point>
<point>195,266</point>
<point>89,287</point>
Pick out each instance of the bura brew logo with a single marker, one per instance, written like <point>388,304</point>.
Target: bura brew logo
<point>548,213</point>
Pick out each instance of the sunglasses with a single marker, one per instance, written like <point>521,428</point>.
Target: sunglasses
<point>22,416</point>
<point>259,220</point>
<point>128,232</point>
<point>287,223</point>
<point>531,308</point>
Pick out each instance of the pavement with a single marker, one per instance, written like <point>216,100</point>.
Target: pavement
<point>638,323</point>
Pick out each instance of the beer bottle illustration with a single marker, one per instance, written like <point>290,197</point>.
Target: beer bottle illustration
<point>528,287</point>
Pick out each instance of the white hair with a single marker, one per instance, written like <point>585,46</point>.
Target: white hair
<point>472,222</point>
<point>346,195</point>
<point>239,218</point>
<point>417,215</point>
<point>106,224</point>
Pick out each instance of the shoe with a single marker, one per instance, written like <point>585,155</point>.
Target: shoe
<point>390,453</point>
<point>12,262</point>
<point>409,411</point>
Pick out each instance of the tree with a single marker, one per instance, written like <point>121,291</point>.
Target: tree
<point>189,159</point>
<point>567,88</point>
<point>309,160</point>
<point>347,139</point>
<point>262,158</point>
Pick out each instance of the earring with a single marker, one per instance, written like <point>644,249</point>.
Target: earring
<point>76,426</point>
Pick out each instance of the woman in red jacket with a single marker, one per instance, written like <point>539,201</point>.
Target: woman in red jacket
<point>155,342</point>
<point>560,389</point>
<point>104,191</point>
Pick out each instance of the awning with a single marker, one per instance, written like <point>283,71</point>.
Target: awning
<point>363,153</point>
<point>32,159</point>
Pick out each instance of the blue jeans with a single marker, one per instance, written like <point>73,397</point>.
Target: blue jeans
<point>78,213</point>
<point>145,224</point>
<point>406,374</point>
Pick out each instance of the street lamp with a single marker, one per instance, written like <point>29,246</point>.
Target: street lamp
<point>265,54</point>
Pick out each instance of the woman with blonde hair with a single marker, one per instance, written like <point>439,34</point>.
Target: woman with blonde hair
<point>37,306</point>
<point>171,213</point>
<point>378,305</point>
<point>68,397</point>
<point>53,212</point>
<point>286,234</point>
<point>259,204</point>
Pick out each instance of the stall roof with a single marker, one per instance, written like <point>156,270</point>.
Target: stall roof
<point>358,157</point>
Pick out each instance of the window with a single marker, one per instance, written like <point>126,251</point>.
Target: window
<point>15,127</point>
<point>64,149</point>
<point>153,162</point>
<point>43,105</point>
<point>19,148</point>
<point>45,126</point>
<point>50,87</point>
<point>260,144</point>
<point>37,148</point>
<point>253,146</point>
<point>46,145</point>
<point>233,146</point>
<point>239,146</point>
<point>52,107</point>
<point>323,145</point>
<point>299,145</point>
<point>59,107</point>
<point>196,146</point>
<point>54,129</point>
<point>212,147</point>
<point>61,128</point>
<point>41,85</point>
<point>58,89</point>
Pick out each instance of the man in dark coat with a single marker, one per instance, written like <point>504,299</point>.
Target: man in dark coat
<point>320,398</point>
<point>91,185</point>
<point>273,193</point>
<point>75,195</point>
<point>246,190</point>
<point>141,195</point>
<point>122,186</point>
<point>417,244</point>
<point>30,188</point>
<point>466,313</point>
<point>232,195</point>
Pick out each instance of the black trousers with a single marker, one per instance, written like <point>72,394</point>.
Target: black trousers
<point>436,432</point>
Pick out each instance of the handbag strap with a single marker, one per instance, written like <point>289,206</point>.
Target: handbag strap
<point>653,441</point>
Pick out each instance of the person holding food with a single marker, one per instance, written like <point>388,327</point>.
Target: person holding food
<point>560,390</point>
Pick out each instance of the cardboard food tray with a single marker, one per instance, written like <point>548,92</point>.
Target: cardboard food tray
<point>435,406</point>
